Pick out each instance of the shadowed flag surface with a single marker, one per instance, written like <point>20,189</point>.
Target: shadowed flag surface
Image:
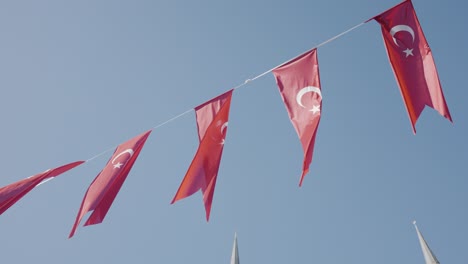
<point>103,190</point>
<point>412,61</point>
<point>10,194</point>
<point>299,85</point>
<point>212,120</point>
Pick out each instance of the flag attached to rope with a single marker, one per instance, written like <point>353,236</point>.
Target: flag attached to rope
<point>412,61</point>
<point>299,85</point>
<point>103,190</point>
<point>10,194</point>
<point>212,120</point>
<point>235,252</point>
<point>429,257</point>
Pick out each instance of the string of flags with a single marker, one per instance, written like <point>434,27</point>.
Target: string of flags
<point>298,81</point>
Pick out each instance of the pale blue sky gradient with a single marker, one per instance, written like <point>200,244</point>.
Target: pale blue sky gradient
<point>80,77</point>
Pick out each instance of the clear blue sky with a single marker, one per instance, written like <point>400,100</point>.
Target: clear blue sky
<point>80,77</point>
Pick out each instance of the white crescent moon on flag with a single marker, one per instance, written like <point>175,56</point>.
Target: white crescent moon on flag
<point>45,180</point>
<point>129,151</point>
<point>399,28</point>
<point>305,90</point>
<point>223,127</point>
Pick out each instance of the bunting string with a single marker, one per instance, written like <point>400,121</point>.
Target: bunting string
<point>304,70</point>
<point>319,45</point>
<point>100,154</point>
<point>246,81</point>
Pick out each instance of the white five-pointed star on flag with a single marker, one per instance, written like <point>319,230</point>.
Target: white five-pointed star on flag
<point>315,109</point>
<point>408,52</point>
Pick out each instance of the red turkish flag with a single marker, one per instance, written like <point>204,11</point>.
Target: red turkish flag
<point>10,194</point>
<point>212,121</point>
<point>412,61</point>
<point>103,190</point>
<point>299,85</point>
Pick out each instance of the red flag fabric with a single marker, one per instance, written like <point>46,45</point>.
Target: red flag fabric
<point>299,85</point>
<point>103,190</point>
<point>10,194</point>
<point>412,61</point>
<point>212,121</point>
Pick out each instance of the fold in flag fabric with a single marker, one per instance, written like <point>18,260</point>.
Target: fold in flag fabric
<point>412,61</point>
<point>212,120</point>
<point>299,85</point>
<point>10,194</point>
<point>429,257</point>
<point>235,252</point>
<point>103,190</point>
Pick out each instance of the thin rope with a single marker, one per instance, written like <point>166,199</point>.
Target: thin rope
<point>155,127</point>
<point>100,154</point>
<point>245,82</point>
<point>319,45</point>
<point>340,35</point>
<point>174,118</point>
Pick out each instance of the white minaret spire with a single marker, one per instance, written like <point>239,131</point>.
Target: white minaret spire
<point>235,253</point>
<point>427,252</point>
